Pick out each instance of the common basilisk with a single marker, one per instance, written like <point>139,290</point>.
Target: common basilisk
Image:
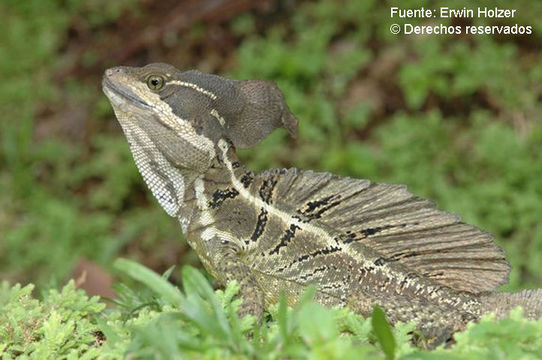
<point>362,243</point>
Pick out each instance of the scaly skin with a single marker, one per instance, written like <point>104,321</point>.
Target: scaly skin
<point>362,244</point>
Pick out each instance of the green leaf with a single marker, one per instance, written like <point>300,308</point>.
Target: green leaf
<point>317,324</point>
<point>282,317</point>
<point>199,295</point>
<point>195,282</point>
<point>109,333</point>
<point>151,279</point>
<point>383,333</point>
<point>168,272</point>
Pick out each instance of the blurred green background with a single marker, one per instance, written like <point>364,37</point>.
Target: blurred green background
<point>456,118</point>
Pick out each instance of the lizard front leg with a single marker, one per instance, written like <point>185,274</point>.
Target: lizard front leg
<point>229,266</point>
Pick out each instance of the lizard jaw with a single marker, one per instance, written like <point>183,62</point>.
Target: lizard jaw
<point>118,94</point>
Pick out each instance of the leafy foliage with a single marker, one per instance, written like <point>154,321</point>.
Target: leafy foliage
<point>58,327</point>
<point>159,321</point>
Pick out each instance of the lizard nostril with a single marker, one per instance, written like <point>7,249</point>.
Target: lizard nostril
<point>112,71</point>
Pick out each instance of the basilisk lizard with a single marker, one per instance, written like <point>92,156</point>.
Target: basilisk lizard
<point>361,243</point>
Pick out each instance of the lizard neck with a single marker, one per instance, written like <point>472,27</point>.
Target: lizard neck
<point>225,167</point>
<point>206,190</point>
<point>204,219</point>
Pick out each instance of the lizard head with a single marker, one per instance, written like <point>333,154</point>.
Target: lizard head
<point>142,101</point>
<point>183,115</point>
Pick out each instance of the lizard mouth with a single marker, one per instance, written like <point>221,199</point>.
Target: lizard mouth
<point>119,95</point>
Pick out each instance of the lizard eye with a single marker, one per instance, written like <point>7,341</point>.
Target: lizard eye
<point>155,82</point>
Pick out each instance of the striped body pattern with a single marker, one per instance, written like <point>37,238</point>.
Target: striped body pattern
<point>361,243</point>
